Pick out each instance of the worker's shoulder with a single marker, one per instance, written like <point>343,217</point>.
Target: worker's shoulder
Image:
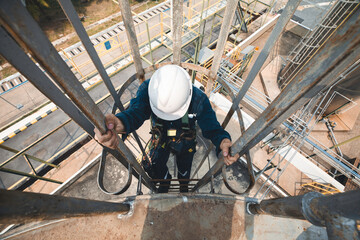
<point>197,93</point>
<point>144,86</point>
<point>198,98</point>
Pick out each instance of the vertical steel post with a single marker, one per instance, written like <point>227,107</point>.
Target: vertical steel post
<point>23,27</point>
<point>224,32</point>
<point>176,29</point>
<point>199,41</point>
<point>30,165</point>
<point>73,17</point>
<point>340,52</point>
<point>286,15</point>
<point>132,38</point>
<point>71,14</point>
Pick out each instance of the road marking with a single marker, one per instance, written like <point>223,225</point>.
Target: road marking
<point>11,135</point>
<point>15,132</point>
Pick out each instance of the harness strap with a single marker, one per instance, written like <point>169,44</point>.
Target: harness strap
<point>185,125</point>
<point>157,129</point>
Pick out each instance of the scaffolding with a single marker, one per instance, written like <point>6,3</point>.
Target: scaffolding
<point>310,44</point>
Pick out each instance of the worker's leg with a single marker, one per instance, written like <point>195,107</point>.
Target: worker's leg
<point>184,162</point>
<point>159,157</point>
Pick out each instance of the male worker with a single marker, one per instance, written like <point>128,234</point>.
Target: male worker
<point>174,105</point>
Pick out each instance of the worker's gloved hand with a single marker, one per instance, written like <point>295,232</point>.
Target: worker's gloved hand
<point>225,148</point>
<point>110,138</point>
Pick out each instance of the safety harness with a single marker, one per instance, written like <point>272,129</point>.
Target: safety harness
<point>168,138</point>
<point>163,136</point>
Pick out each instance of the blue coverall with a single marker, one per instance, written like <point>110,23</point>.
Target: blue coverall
<point>200,111</point>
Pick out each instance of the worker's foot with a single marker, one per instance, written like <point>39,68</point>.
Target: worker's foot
<point>163,188</point>
<point>184,189</point>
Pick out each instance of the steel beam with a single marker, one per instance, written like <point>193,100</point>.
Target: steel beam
<point>176,29</point>
<point>241,18</point>
<point>224,32</point>
<point>73,17</point>
<point>132,38</point>
<point>285,17</point>
<point>23,27</point>
<point>27,155</point>
<point>340,52</point>
<point>7,170</point>
<point>22,207</point>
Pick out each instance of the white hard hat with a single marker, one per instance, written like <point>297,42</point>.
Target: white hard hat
<point>170,92</point>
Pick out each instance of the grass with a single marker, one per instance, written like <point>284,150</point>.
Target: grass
<point>7,71</point>
<point>107,24</point>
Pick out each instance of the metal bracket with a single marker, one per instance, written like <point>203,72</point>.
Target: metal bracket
<point>251,201</point>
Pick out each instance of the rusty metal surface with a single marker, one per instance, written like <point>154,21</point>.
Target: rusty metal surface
<point>285,207</point>
<point>21,207</point>
<point>131,37</point>
<point>166,216</point>
<point>176,29</point>
<point>338,212</point>
<point>344,204</point>
<point>223,35</point>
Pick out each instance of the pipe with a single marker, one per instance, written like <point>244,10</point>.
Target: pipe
<point>313,206</point>
<point>22,207</point>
